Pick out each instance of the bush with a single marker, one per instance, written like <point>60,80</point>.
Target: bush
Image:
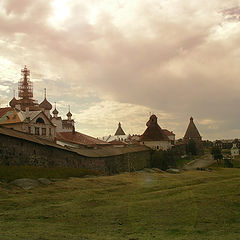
<point>228,163</point>
<point>191,148</point>
<point>165,159</point>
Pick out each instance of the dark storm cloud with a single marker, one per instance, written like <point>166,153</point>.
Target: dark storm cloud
<point>232,14</point>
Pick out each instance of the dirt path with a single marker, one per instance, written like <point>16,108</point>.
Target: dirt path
<point>202,162</point>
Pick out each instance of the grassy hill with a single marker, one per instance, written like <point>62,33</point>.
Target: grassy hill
<point>191,205</point>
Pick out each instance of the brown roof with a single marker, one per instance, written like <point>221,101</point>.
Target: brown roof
<point>153,131</point>
<point>78,138</point>
<point>119,130</point>
<point>192,131</point>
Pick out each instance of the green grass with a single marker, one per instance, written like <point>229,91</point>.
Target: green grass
<point>181,162</point>
<point>9,173</point>
<point>187,206</point>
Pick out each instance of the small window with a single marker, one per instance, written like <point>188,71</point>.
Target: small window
<point>36,130</point>
<point>157,147</point>
<point>40,120</point>
<point>29,130</point>
<point>50,132</point>
<point>44,131</point>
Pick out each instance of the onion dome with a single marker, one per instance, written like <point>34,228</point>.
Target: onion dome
<point>55,111</point>
<point>69,114</point>
<point>13,102</point>
<point>45,104</point>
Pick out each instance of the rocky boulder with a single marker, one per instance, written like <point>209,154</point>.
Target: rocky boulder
<point>25,183</point>
<point>44,181</point>
<point>173,170</point>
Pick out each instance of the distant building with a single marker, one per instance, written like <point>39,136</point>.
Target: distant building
<point>226,143</point>
<point>63,125</point>
<point>154,137</point>
<point>234,150</point>
<point>119,135</point>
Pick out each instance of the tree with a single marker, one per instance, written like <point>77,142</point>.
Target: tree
<point>191,147</point>
<point>217,154</point>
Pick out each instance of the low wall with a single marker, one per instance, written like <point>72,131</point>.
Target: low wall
<point>17,151</point>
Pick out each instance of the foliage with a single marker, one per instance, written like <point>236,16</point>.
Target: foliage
<point>159,160</point>
<point>217,153</point>
<point>9,173</point>
<point>191,147</point>
<point>228,163</point>
<point>166,159</point>
<point>207,144</point>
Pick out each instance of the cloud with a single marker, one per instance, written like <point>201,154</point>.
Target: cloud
<point>175,57</point>
<point>232,14</point>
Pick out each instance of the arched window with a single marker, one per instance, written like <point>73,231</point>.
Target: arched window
<point>40,120</point>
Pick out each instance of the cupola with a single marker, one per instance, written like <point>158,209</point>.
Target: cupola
<point>45,104</point>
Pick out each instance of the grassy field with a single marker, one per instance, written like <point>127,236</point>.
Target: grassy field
<point>191,205</point>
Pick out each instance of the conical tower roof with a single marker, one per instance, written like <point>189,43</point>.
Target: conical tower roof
<point>153,131</point>
<point>119,130</point>
<point>192,132</point>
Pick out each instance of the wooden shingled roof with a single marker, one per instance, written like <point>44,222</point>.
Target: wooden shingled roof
<point>153,131</point>
<point>79,138</point>
<point>192,131</point>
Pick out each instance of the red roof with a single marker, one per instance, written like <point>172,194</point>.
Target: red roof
<point>5,110</point>
<point>168,133</point>
<point>78,138</point>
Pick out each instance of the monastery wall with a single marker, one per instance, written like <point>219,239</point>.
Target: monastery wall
<point>17,151</point>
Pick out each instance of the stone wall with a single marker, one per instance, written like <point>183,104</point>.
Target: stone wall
<point>16,151</point>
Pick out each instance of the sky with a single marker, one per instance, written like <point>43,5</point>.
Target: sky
<point>120,61</point>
